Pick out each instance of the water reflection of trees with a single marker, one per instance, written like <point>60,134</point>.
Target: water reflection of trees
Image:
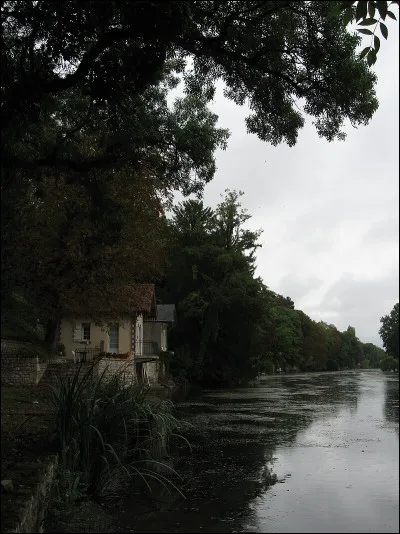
<point>242,461</point>
<point>391,404</point>
<point>234,438</point>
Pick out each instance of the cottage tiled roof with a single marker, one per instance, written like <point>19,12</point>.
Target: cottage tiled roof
<point>126,299</point>
<point>141,297</point>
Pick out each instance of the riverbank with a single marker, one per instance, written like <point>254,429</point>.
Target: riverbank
<point>26,456</point>
<point>257,452</point>
<point>29,464</point>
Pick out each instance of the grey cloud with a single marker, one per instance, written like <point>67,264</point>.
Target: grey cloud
<point>383,231</point>
<point>298,288</point>
<point>361,303</point>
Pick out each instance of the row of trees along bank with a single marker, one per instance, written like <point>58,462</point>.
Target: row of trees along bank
<point>231,326</point>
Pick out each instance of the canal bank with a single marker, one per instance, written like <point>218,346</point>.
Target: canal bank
<point>313,452</point>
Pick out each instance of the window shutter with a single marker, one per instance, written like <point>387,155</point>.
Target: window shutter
<point>77,335</point>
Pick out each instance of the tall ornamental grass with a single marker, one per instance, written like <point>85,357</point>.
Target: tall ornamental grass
<point>108,430</point>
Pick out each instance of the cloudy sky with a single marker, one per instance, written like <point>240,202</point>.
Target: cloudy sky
<point>329,211</point>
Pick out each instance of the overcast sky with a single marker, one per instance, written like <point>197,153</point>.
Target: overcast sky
<point>329,211</point>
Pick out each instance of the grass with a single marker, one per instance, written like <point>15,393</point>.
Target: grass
<point>108,433</point>
<point>109,437</point>
<point>24,441</point>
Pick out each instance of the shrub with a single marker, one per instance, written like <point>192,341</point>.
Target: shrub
<point>109,431</point>
<point>365,364</point>
<point>332,365</point>
<point>33,351</point>
<point>268,366</point>
<point>60,349</point>
<point>389,363</point>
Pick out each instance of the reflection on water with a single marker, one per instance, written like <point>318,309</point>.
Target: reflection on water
<point>391,407</point>
<point>300,453</point>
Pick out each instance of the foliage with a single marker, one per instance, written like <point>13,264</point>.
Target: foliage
<point>230,327</point>
<point>34,351</point>
<point>389,364</point>
<point>389,332</point>
<point>365,364</point>
<point>69,83</point>
<point>373,354</point>
<point>19,319</point>
<point>62,248</point>
<point>209,276</point>
<point>372,14</point>
<point>92,148</point>
<point>60,349</point>
<point>107,432</point>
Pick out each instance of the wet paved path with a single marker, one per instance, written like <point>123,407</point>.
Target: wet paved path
<point>299,453</point>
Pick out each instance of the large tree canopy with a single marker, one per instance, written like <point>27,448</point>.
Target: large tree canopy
<point>100,70</point>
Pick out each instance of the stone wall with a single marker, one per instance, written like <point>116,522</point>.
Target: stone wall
<point>30,509</point>
<point>115,366</point>
<point>17,368</point>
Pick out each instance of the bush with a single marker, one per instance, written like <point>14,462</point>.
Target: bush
<point>33,351</point>
<point>389,364</point>
<point>267,367</point>
<point>365,364</point>
<point>60,349</point>
<point>332,365</point>
<point>108,431</point>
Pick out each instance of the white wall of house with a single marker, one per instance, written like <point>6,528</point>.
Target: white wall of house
<point>73,332</point>
<point>156,332</point>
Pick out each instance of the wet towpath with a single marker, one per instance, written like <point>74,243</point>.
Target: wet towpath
<point>297,453</point>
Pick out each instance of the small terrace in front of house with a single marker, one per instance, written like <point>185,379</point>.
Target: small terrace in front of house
<point>145,351</point>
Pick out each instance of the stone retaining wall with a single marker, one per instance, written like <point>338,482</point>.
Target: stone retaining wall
<point>20,371</point>
<point>30,510</point>
<point>114,366</point>
<point>17,368</point>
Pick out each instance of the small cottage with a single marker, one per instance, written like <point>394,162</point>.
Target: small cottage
<point>120,340</point>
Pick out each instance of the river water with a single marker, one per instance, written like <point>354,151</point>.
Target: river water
<point>296,453</point>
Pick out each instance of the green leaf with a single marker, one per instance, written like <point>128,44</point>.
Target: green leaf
<point>382,8</point>
<point>371,9</point>
<point>391,15</point>
<point>361,10</point>
<point>384,30</point>
<point>365,52</point>
<point>348,16</point>
<point>364,31</point>
<point>368,22</point>
<point>371,57</point>
<point>377,43</point>
<point>337,10</point>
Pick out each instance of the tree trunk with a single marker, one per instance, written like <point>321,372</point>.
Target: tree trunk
<point>52,330</point>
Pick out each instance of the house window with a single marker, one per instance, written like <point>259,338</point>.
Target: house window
<point>81,332</point>
<point>114,339</point>
<point>86,331</point>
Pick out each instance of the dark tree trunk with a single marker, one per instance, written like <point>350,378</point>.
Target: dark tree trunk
<point>52,330</point>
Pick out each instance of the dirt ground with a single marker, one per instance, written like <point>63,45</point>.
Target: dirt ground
<point>24,444</point>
